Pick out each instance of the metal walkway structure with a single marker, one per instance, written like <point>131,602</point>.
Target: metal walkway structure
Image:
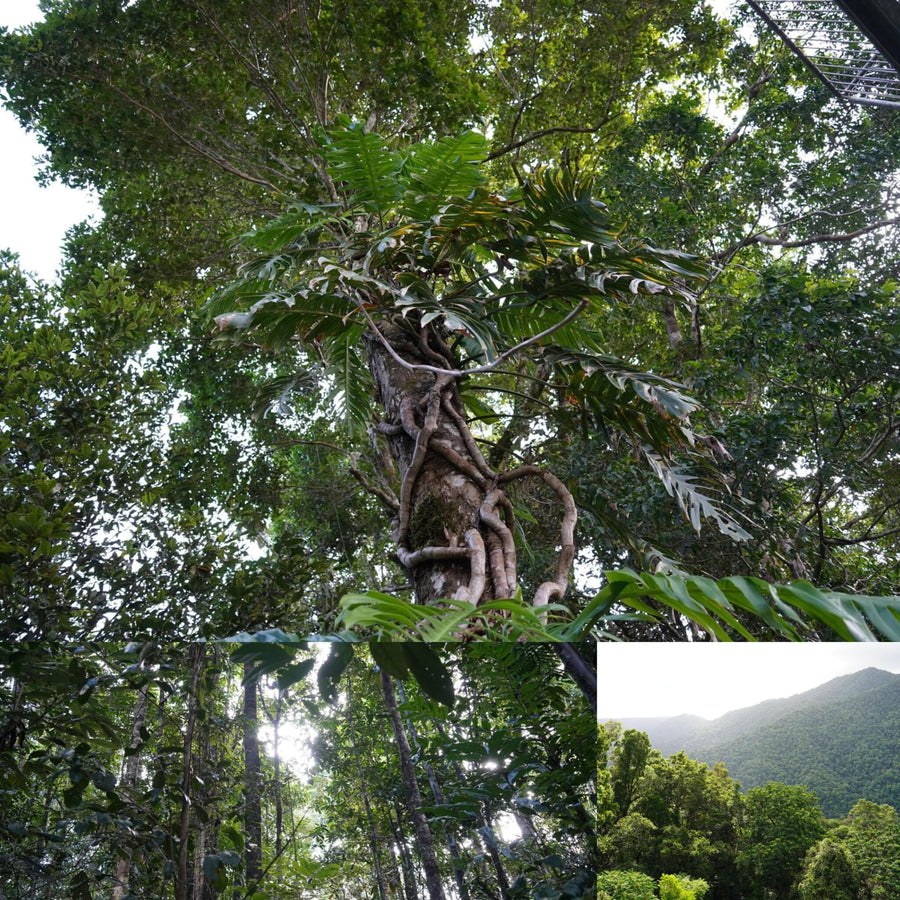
<point>851,45</point>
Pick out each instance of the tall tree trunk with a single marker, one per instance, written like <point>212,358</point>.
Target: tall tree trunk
<point>455,526</point>
<point>275,719</point>
<point>130,774</point>
<point>424,838</point>
<point>438,794</point>
<point>252,782</point>
<point>489,839</point>
<point>279,800</point>
<point>410,888</point>
<point>182,880</point>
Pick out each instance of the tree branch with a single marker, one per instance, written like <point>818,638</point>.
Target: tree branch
<point>763,238</point>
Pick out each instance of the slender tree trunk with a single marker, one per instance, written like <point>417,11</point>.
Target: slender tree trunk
<point>424,838</point>
<point>410,888</point>
<point>182,881</point>
<point>579,670</point>
<point>438,794</point>
<point>252,782</point>
<point>279,801</point>
<point>489,839</point>
<point>373,836</point>
<point>130,774</point>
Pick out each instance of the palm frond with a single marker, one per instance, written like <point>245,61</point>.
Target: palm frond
<point>693,501</point>
<point>557,202</point>
<point>276,393</point>
<point>393,618</point>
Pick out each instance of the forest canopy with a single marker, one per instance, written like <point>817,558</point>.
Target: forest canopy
<point>559,320</point>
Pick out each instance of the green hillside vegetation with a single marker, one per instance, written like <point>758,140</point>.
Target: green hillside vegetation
<point>663,816</point>
<point>839,740</point>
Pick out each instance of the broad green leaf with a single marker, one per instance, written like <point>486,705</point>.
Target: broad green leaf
<point>391,657</point>
<point>430,672</point>
<point>291,674</point>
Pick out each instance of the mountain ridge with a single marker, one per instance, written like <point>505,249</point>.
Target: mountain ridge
<point>839,739</point>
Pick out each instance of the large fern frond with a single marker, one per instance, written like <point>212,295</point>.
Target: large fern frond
<point>353,385</point>
<point>446,168</point>
<point>787,610</point>
<point>367,167</point>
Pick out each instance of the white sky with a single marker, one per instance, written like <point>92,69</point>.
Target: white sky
<point>33,220</point>
<point>645,679</point>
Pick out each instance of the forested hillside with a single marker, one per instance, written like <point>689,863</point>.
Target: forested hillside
<point>662,817</point>
<point>295,772</point>
<point>469,302</point>
<point>839,740</point>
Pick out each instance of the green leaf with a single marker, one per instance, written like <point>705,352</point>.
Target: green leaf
<point>430,672</point>
<point>267,657</point>
<point>391,657</point>
<point>353,384</point>
<point>214,871</point>
<point>104,781</point>
<point>367,167</point>
<point>81,886</point>
<point>442,169</point>
<point>289,675</point>
<point>333,668</point>
<point>268,636</point>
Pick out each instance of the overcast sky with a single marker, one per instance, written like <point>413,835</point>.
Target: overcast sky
<point>33,220</point>
<point>710,679</point>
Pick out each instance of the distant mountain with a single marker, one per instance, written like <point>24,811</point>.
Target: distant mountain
<point>841,739</point>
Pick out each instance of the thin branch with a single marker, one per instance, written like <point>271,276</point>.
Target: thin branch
<point>199,148</point>
<point>537,135</point>
<point>752,93</point>
<point>388,499</point>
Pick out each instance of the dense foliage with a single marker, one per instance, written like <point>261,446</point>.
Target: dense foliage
<point>661,815</point>
<point>273,770</point>
<point>210,485</point>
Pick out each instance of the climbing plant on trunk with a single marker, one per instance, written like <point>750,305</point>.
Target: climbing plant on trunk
<point>424,287</point>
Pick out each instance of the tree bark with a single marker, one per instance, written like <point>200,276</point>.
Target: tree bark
<point>373,836</point>
<point>579,670</point>
<point>424,838</point>
<point>438,793</point>
<point>410,889</point>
